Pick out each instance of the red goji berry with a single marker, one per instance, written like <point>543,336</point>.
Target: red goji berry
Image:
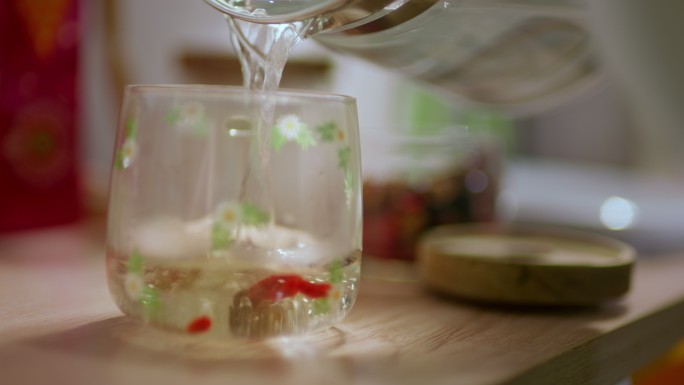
<point>280,286</point>
<point>199,325</point>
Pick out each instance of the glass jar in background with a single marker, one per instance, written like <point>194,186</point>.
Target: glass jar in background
<point>413,183</point>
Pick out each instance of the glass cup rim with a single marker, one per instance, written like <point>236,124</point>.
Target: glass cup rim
<point>229,89</point>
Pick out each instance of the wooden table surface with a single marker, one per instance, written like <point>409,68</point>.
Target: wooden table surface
<point>58,325</point>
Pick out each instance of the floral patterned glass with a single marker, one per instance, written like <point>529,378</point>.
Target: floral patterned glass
<point>223,226</point>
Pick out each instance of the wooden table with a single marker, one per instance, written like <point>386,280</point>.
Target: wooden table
<point>58,325</point>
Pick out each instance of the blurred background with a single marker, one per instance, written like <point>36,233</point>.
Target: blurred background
<point>600,153</point>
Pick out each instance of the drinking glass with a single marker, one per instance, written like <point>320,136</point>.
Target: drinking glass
<point>235,213</point>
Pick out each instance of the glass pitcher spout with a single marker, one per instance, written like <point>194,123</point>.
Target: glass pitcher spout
<point>271,12</point>
<point>362,15</point>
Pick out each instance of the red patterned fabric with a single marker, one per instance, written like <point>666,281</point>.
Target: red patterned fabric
<point>39,44</point>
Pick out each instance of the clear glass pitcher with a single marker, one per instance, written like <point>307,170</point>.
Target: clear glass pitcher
<point>500,52</point>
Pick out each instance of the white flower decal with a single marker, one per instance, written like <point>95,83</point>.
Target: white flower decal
<point>191,113</point>
<point>189,117</point>
<point>134,286</point>
<point>335,293</point>
<point>129,150</point>
<point>227,217</point>
<point>289,126</point>
<point>228,214</point>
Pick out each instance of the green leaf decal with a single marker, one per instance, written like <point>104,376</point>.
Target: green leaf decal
<point>201,129</point>
<point>135,262</point>
<point>343,157</point>
<point>277,139</point>
<point>131,129</point>
<point>305,139</point>
<point>320,306</point>
<point>173,116</point>
<point>252,215</point>
<point>327,131</point>
<point>221,236</point>
<point>150,298</point>
<point>335,272</point>
<point>119,160</point>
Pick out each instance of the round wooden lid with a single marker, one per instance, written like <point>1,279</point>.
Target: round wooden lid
<point>525,265</point>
